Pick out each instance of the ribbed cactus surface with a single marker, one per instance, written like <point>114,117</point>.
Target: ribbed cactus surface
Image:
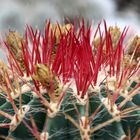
<point>70,83</point>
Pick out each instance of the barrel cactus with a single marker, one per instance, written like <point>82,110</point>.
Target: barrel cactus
<point>69,83</point>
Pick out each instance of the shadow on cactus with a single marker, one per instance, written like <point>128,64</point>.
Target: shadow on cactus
<point>69,83</point>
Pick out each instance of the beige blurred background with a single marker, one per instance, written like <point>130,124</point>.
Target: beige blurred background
<point>14,14</point>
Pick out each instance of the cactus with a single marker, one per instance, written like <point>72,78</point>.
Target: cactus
<point>67,84</point>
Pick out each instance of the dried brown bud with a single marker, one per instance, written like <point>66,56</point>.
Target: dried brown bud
<point>126,62</point>
<point>14,41</point>
<point>115,34</point>
<point>135,43</point>
<point>3,69</point>
<point>58,29</point>
<point>46,77</point>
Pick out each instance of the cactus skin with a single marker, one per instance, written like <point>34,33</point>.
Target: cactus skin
<point>64,86</point>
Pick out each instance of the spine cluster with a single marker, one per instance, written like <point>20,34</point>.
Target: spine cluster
<point>70,84</point>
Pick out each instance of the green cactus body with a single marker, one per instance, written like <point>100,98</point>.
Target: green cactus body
<point>66,85</point>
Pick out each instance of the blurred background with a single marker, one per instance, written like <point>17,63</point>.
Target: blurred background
<point>14,14</point>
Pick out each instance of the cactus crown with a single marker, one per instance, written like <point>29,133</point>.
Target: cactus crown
<point>65,85</point>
